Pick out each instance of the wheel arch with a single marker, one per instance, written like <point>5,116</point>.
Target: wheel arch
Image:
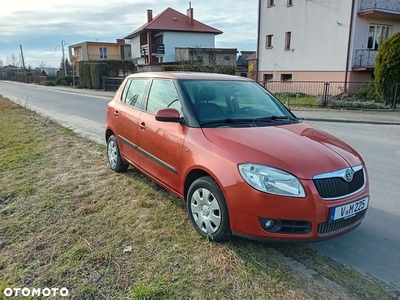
<point>192,176</point>
<point>109,133</point>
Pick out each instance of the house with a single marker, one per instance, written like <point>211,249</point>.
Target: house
<point>155,41</point>
<point>87,51</point>
<point>9,72</point>
<point>252,66</point>
<point>242,63</point>
<point>320,40</point>
<point>206,56</point>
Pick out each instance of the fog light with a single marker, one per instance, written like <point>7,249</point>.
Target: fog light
<point>269,224</point>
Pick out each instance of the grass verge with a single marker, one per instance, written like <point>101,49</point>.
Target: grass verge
<point>66,219</point>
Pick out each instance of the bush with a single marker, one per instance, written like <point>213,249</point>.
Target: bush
<point>221,69</point>
<point>387,67</point>
<point>66,81</point>
<point>49,83</point>
<point>85,76</point>
<point>367,92</point>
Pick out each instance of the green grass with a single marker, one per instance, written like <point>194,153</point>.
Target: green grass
<point>308,101</point>
<point>65,220</point>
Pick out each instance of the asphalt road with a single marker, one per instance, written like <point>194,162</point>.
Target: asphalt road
<point>373,248</point>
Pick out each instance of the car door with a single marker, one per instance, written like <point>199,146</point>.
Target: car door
<point>131,108</point>
<point>161,143</point>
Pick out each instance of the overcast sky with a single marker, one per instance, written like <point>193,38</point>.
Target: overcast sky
<point>41,25</point>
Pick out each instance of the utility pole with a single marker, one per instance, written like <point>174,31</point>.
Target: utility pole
<point>23,62</point>
<point>63,43</point>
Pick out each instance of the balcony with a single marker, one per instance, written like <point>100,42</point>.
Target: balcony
<point>157,49</point>
<point>380,8</point>
<point>365,59</point>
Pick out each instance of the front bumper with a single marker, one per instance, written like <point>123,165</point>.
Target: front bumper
<point>306,219</point>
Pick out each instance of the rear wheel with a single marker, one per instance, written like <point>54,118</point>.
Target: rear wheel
<point>208,210</point>
<point>114,157</point>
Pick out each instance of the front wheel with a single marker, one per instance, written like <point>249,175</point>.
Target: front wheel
<point>208,210</point>
<point>114,156</point>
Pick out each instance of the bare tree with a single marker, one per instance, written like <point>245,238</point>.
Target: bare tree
<point>13,60</point>
<point>43,64</point>
<point>1,63</point>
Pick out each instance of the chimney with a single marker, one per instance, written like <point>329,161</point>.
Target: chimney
<point>149,15</point>
<point>189,14</point>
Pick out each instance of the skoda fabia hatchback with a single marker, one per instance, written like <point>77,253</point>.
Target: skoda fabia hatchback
<point>243,163</point>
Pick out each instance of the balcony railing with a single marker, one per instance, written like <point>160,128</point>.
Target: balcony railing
<point>157,49</point>
<point>392,6</point>
<point>365,58</point>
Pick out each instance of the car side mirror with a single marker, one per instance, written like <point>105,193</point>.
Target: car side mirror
<point>168,115</point>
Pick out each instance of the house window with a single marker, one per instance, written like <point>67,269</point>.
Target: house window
<point>289,3</point>
<point>227,58</point>
<point>103,52</point>
<point>269,41</point>
<point>268,77</point>
<point>377,35</point>
<point>271,3</point>
<point>288,37</point>
<point>159,40</point>
<point>286,77</point>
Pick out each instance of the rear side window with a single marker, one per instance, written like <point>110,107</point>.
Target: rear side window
<point>162,94</point>
<point>134,91</point>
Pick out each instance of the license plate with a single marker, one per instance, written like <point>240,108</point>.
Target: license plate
<point>348,210</point>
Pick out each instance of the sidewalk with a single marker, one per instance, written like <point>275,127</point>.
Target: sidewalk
<point>99,93</point>
<point>383,117</point>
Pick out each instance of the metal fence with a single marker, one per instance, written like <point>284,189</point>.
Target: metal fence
<point>334,94</point>
<point>112,83</point>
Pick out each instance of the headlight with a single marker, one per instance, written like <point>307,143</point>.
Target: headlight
<point>271,180</point>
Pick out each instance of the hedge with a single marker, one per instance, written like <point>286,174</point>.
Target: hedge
<point>97,71</point>
<point>221,69</point>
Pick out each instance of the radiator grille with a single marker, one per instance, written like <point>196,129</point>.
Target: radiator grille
<point>337,187</point>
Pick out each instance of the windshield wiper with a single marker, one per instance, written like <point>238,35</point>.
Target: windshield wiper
<point>273,118</point>
<point>239,121</point>
<point>227,121</point>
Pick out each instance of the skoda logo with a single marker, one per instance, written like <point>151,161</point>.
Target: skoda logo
<point>348,176</point>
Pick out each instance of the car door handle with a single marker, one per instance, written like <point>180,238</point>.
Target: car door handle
<point>116,113</point>
<point>142,125</point>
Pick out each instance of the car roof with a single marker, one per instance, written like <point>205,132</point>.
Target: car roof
<point>188,76</point>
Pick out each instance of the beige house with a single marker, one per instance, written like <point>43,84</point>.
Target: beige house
<point>87,51</point>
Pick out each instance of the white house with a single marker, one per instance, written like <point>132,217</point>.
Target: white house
<point>155,41</point>
<point>323,40</point>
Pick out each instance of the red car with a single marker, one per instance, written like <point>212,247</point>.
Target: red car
<point>244,164</point>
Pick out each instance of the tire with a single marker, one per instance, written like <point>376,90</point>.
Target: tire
<point>208,210</point>
<point>114,157</point>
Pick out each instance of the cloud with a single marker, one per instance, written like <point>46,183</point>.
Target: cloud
<point>41,25</point>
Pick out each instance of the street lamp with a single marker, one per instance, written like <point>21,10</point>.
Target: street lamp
<point>63,43</point>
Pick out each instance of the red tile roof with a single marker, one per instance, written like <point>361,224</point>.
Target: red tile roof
<point>172,20</point>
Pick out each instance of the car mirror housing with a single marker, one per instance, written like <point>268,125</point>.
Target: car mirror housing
<point>168,115</point>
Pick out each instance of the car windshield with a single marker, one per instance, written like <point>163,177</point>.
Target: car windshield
<point>233,102</point>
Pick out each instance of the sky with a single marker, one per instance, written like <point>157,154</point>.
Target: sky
<point>40,26</point>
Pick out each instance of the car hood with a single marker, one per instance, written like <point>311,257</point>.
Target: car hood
<point>296,148</point>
